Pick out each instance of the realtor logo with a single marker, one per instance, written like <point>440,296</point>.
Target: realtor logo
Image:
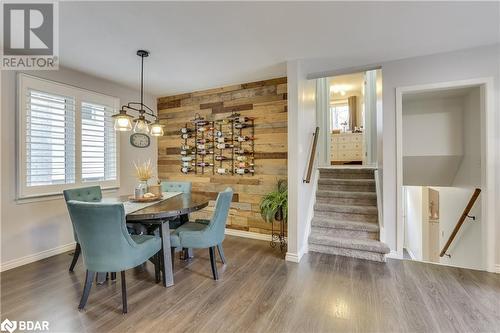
<point>8,325</point>
<point>30,35</point>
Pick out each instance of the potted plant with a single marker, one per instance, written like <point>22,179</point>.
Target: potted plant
<point>274,205</point>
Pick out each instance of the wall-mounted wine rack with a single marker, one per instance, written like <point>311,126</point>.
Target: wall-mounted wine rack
<point>223,147</point>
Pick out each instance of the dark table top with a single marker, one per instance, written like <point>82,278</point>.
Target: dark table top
<point>179,205</point>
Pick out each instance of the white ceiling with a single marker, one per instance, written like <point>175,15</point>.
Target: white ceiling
<point>203,45</point>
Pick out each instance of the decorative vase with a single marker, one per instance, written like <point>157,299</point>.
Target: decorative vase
<point>141,189</point>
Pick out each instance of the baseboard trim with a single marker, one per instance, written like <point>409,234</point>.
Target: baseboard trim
<point>293,257</point>
<point>247,234</point>
<point>36,257</point>
<point>393,255</point>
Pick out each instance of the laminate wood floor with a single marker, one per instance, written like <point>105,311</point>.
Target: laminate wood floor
<point>260,292</point>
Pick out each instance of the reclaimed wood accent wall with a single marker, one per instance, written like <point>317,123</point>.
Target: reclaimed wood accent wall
<point>266,101</point>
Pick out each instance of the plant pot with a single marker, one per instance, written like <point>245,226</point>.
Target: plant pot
<point>279,215</point>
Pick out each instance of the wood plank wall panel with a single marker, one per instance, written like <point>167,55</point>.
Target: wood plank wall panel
<point>266,101</point>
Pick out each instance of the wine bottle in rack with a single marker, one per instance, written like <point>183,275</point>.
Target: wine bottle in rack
<point>201,122</point>
<point>186,164</point>
<point>241,158</point>
<point>186,152</point>
<point>241,151</point>
<point>203,164</point>
<point>222,171</point>
<point>204,129</point>
<point>224,139</point>
<point>186,130</point>
<point>221,158</point>
<point>186,169</point>
<point>242,119</point>
<point>202,141</point>
<point>241,125</point>
<point>186,158</point>
<point>243,165</point>
<point>224,146</point>
<point>205,152</point>
<point>244,138</point>
<point>204,146</point>
<point>186,135</point>
<point>242,171</point>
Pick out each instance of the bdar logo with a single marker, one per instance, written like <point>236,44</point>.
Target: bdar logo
<point>8,325</point>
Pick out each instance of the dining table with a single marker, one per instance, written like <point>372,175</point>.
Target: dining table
<point>175,205</point>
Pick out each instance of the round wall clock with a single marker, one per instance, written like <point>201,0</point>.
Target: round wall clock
<point>140,140</point>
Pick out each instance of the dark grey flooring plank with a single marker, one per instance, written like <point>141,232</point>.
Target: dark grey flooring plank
<point>259,292</point>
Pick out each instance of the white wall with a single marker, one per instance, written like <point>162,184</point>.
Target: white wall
<point>433,127</point>
<point>460,65</point>
<point>414,222</point>
<point>451,66</point>
<point>466,250</point>
<point>469,173</point>
<point>31,230</point>
<point>301,126</point>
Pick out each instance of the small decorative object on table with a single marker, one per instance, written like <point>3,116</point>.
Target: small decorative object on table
<point>274,208</point>
<point>143,173</point>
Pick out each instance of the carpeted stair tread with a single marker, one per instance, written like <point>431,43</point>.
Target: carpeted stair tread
<point>344,194</point>
<point>346,209</point>
<point>340,224</point>
<point>368,245</point>
<point>354,182</point>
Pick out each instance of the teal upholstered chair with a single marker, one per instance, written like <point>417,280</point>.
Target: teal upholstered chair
<point>200,235</point>
<point>87,194</point>
<point>184,187</point>
<point>106,245</point>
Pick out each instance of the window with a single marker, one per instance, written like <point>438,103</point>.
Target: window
<point>66,138</point>
<point>339,115</point>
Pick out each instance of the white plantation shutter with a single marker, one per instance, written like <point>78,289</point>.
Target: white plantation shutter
<point>98,143</point>
<point>66,138</point>
<point>50,139</point>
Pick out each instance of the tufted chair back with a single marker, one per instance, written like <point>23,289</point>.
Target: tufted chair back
<point>184,187</point>
<point>86,194</point>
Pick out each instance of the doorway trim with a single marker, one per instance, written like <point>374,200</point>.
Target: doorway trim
<point>488,154</point>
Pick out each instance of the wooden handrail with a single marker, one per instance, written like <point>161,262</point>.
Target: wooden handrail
<point>311,158</point>
<point>467,209</point>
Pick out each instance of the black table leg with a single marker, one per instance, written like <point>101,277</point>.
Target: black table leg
<point>168,274</point>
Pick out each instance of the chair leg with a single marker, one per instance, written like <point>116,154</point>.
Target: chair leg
<point>113,276</point>
<point>156,259</point>
<point>76,254</point>
<point>162,266</point>
<point>221,253</point>
<point>172,255</point>
<point>213,263</point>
<point>124,293</point>
<point>89,278</point>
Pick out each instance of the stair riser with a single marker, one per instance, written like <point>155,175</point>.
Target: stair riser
<point>346,201</point>
<point>348,188</point>
<point>346,216</point>
<point>346,233</point>
<point>347,252</point>
<point>336,175</point>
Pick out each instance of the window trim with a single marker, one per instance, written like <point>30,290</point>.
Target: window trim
<point>80,95</point>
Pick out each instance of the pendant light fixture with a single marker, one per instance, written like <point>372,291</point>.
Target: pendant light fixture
<point>123,121</point>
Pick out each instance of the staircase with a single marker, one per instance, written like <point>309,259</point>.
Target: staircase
<point>345,214</point>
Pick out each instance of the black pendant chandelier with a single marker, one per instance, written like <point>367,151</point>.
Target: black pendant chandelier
<point>123,121</point>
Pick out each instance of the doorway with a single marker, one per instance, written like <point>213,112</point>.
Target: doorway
<point>444,175</point>
<point>347,109</point>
